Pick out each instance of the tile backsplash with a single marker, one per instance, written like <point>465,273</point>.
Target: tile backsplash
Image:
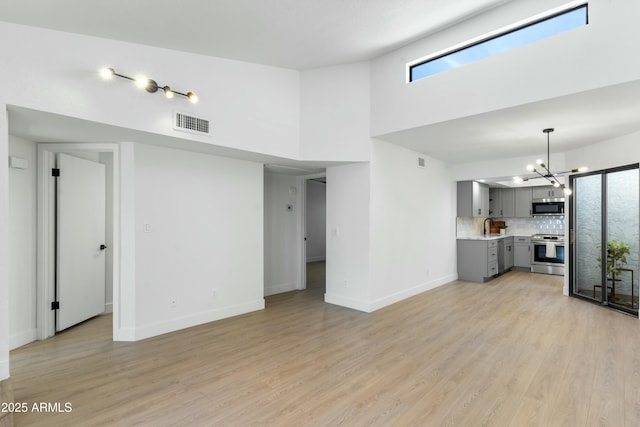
<point>516,226</point>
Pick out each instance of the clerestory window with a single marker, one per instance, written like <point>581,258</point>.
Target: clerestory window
<point>501,42</point>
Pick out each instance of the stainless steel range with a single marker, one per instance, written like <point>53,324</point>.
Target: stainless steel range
<point>547,254</point>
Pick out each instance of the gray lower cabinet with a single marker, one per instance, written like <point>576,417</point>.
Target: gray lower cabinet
<point>506,256</point>
<point>522,252</point>
<point>477,259</point>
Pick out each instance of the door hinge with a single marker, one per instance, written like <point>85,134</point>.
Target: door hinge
<point>55,172</point>
<point>55,305</point>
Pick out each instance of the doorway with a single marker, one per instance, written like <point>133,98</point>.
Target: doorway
<point>605,237</point>
<point>49,320</point>
<point>315,235</point>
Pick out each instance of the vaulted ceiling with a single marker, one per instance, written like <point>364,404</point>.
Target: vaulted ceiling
<point>316,33</point>
<point>298,34</point>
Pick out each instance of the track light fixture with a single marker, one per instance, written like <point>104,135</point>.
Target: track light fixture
<point>147,84</point>
<point>546,172</point>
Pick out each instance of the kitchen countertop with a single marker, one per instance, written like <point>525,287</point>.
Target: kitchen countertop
<point>491,236</point>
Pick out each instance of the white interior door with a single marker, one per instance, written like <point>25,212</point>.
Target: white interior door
<point>80,236</point>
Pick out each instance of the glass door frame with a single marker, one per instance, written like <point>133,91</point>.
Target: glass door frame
<point>603,238</point>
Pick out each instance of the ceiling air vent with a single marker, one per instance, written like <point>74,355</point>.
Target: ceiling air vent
<point>188,123</point>
<point>421,162</point>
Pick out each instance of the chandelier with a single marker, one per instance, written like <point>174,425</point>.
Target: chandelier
<point>544,170</point>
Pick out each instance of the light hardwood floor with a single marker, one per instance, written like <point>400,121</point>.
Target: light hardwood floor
<point>511,352</point>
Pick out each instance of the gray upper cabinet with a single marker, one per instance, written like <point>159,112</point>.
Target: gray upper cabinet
<point>508,202</point>
<point>546,192</point>
<point>502,203</point>
<point>523,198</point>
<point>473,199</point>
<point>495,202</point>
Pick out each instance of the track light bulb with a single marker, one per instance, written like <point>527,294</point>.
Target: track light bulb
<point>192,97</point>
<point>168,92</point>
<point>142,82</point>
<point>567,191</point>
<point>107,73</point>
<point>530,168</point>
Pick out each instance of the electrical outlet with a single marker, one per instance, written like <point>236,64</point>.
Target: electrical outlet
<point>173,303</point>
<point>214,294</point>
<point>345,284</point>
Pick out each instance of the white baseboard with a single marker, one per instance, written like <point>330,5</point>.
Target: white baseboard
<point>125,334</point>
<point>347,302</point>
<point>22,338</point>
<point>408,293</point>
<point>316,258</point>
<point>108,307</point>
<point>172,325</point>
<point>278,289</point>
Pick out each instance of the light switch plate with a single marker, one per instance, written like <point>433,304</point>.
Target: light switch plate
<point>18,163</point>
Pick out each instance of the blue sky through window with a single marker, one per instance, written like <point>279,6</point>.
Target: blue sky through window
<point>536,31</point>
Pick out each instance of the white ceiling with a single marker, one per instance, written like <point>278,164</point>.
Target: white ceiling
<point>579,120</point>
<point>314,33</point>
<point>298,34</point>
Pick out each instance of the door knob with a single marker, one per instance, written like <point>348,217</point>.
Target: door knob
<point>103,247</point>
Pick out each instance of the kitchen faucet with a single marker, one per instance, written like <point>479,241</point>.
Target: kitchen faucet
<point>484,226</point>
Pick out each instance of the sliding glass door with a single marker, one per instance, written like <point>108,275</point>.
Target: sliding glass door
<point>605,237</point>
<point>586,234</point>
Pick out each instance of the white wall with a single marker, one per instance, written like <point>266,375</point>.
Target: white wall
<point>391,230</point>
<point>282,237</point>
<point>620,151</point>
<point>316,220</point>
<point>571,62</point>
<point>4,245</point>
<point>202,257</point>
<point>413,210</point>
<point>251,107</point>
<point>348,243</point>
<point>22,242</point>
<point>335,113</point>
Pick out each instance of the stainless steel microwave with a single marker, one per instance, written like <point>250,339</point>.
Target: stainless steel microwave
<point>547,207</point>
